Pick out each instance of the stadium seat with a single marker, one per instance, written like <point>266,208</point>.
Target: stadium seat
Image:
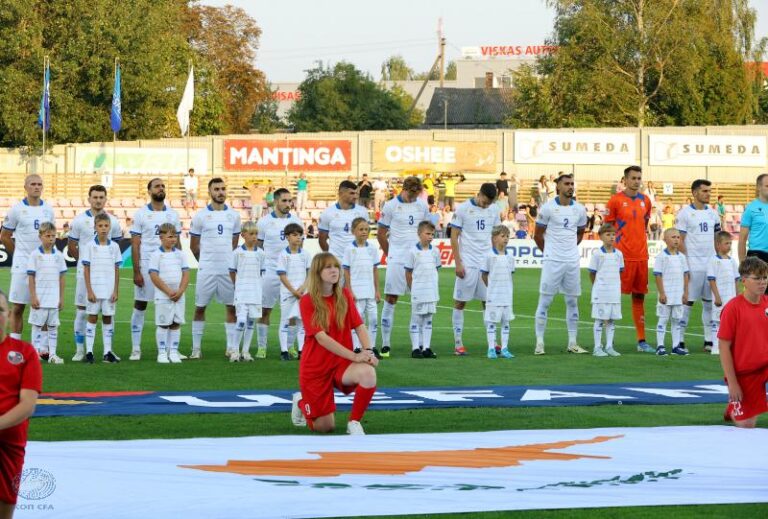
<point>321,204</point>
<point>310,204</point>
<point>62,202</point>
<point>137,202</point>
<point>589,206</point>
<point>177,204</point>
<point>739,208</point>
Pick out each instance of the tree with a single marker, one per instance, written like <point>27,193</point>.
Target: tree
<point>227,38</point>
<point>265,118</point>
<point>635,62</point>
<point>416,117</point>
<point>396,69</point>
<point>344,98</point>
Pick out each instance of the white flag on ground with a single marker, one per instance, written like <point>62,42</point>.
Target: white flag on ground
<point>187,101</point>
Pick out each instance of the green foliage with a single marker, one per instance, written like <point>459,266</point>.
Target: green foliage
<point>633,63</point>
<point>265,118</point>
<point>406,101</point>
<point>344,98</point>
<point>396,69</point>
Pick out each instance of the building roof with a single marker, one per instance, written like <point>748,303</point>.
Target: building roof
<point>467,108</point>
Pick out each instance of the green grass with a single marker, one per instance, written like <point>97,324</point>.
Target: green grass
<point>214,372</point>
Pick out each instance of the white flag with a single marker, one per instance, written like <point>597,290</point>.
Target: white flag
<point>187,100</point>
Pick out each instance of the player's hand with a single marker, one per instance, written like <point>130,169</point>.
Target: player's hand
<point>113,299</point>
<point>460,272</point>
<point>734,392</point>
<point>91,297</point>
<point>378,297</point>
<point>685,299</point>
<point>663,299</point>
<point>718,301</point>
<point>138,279</point>
<point>176,296</point>
<point>34,302</point>
<point>61,305</point>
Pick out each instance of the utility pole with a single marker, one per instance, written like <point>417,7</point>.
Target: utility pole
<point>441,42</point>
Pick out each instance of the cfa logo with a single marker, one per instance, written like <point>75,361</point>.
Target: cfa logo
<point>36,484</point>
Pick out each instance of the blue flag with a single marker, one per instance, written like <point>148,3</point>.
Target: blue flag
<point>116,116</point>
<point>44,116</point>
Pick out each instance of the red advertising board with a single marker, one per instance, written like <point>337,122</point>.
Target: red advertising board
<point>293,155</point>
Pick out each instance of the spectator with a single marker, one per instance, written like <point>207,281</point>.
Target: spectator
<point>508,221</point>
<point>522,224</point>
<point>502,203</point>
<point>380,191</point>
<point>447,216</point>
<point>541,190</point>
<point>364,190</point>
<point>436,219</point>
<point>256,191</point>
<point>302,192</point>
<point>312,229</point>
<point>650,192</point>
<point>594,221</point>
<point>655,224</point>
<point>269,197</point>
<point>720,208</point>
<point>451,181</point>
<point>429,188</point>
<point>190,188</point>
<point>514,189</point>
<point>620,186</point>
<point>531,212</point>
<point>668,218</point>
<point>552,186</point>
<point>502,184</point>
<point>64,233</point>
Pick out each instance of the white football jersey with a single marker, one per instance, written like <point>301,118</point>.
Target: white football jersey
<point>24,221</point>
<point>607,267</point>
<point>402,219</point>
<point>476,225</point>
<point>672,269</point>
<point>146,224</point>
<point>724,272</point>
<point>102,259</point>
<point>562,222</point>
<point>170,266</point>
<point>248,265</point>
<point>47,269</point>
<point>499,268</point>
<point>424,265</point>
<point>82,229</point>
<point>294,266</point>
<point>699,227</point>
<point>272,235</point>
<point>337,222</point>
<point>361,263</point>
<point>215,230</point>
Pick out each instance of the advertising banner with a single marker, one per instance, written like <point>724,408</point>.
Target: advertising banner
<point>291,155</point>
<point>98,159</point>
<point>442,156</point>
<point>707,150</point>
<point>532,147</point>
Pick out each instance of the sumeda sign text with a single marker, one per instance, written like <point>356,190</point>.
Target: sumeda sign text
<point>293,155</point>
<point>707,150</point>
<point>444,156</point>
<point>575,148</point>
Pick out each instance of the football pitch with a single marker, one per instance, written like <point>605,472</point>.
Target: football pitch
<point>215,372</point>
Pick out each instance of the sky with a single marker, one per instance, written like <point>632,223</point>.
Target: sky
<point>297,33</point>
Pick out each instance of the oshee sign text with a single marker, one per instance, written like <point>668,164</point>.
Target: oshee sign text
<point>443,156</point>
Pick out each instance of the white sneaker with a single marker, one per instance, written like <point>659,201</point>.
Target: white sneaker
<point>162,358</point>
<point>575,348</point>
<point>246,356</point>
<point>297,417</point>
<point>599,352</point>
<point>229,353</point>
<point>79,356</point>
<point>135,355</point>
<point>196,354</point>
<point>55,359</point>
<point>233,356</point>
<point>355,428</point>
<point>613,353</point>
<point>715,350</point>
<point>174,357</point>
<point>539,348</point>
<point>182,356</point>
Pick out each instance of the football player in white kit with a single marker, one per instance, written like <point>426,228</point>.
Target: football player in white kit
<point>397,232</point>
<point>272,239</point>
<point>471,229</point>
<point>82,230</point>
<point>560,226</point>
<point>145,239</point>
<point>698,224</point>
<point>214,233</point>
<point>22,223</point>
<point>335,223</point>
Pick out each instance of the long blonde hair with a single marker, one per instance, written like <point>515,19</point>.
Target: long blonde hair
<point>322,317</point>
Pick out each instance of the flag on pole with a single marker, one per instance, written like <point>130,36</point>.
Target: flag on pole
<point>44,115</point>
<point>116,116</point>
<point>182,114</point>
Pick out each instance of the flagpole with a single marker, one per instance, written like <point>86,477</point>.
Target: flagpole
<point>189,126</point>
<point>45,67</point>
<point>114,135</point>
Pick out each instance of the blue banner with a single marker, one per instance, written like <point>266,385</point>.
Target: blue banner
<point>116,115</point>
<point>44,115</point>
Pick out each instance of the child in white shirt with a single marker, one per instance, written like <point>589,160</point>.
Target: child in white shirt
<point>246,269</point>
<point>605,267</point>
<point>169,272</point>
<point>360,264</point>
<point>671,272</point>
<point>497,276</point>
<point>421,274</point>
<point>101,259</point>
<point>723,276</point>
<point>292,267</point>
<point>45,274</point>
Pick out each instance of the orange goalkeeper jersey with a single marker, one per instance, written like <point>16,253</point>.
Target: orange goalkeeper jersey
<point>630,215</point>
